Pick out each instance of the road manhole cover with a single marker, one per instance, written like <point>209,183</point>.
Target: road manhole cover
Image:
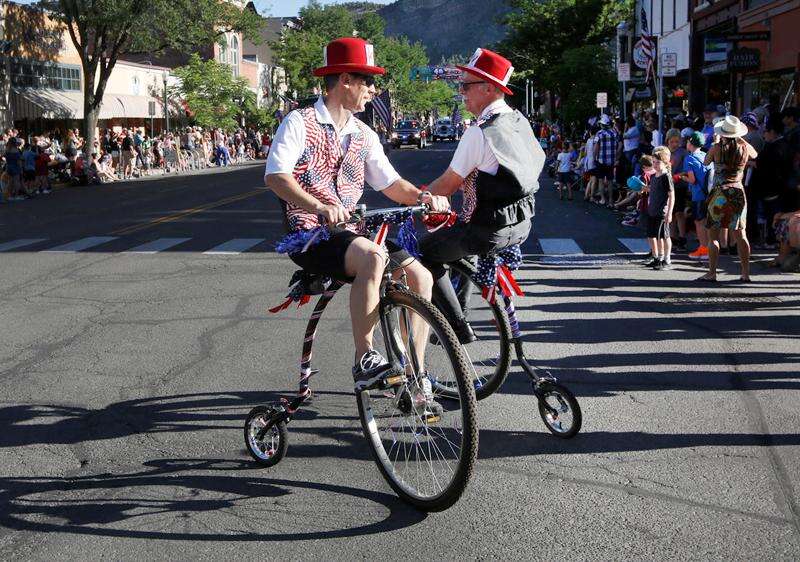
<point>721,301</point>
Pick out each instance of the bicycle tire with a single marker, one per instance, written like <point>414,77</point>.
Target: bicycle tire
<point>487,384</point>
<point>264,457</point>
<point>549,389</point>
<point>468,433</point>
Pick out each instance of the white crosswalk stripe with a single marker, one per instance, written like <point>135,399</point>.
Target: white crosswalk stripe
<point>635,245</point>
<point>235,246</point>
<point>559,246</point>
<point>82,244</point>
<point>158,245</point>
<point>21,243</point>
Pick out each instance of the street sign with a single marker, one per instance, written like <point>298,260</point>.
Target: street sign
<point>602,100</point>
<point>748,36</point>
<point>624,72</point>
<point>151,108</point>
<point>669,64</point>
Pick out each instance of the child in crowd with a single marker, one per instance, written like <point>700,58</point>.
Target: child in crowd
<point>695,174</point>
<point>43,170</point>
<point>564,172</point>
<point>639,214</point>
<point>661,201</point>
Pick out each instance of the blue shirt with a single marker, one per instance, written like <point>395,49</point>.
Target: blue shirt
<point>29,160</point>
<point>607,152</point>
<point>708,131</point>
<point>694,163</point>
<point>12,162</point>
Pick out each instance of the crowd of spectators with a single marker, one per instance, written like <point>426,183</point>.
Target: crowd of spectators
<point>31,164</point>
<point>614,163</point>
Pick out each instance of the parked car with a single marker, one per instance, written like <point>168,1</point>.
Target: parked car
<point>443,129</point>
<point>409,132</point>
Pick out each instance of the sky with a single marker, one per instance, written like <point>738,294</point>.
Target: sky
<point>282,8</point>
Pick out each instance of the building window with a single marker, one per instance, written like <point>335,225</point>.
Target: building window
<point>37,74</point>
<point>223,52</point>
<point>136,85</point>
<point>750,4</point>
<point>235,54</point>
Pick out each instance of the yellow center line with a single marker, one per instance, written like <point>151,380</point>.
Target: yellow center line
<point>182,214</point>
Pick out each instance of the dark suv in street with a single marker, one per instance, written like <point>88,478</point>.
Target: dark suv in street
<point>409,132</point>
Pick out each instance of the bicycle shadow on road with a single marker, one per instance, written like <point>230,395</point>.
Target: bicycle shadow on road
<point>200,500</point>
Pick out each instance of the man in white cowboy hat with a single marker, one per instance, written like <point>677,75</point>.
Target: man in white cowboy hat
<point>319,160</point>
<point>497,165</point>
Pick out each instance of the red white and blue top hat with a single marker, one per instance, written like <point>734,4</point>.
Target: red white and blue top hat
<point>491,67</point>
<point>349,54</point>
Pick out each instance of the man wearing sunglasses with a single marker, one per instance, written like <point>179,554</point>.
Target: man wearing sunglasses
<point>497,165</point>
<point>319,160</point>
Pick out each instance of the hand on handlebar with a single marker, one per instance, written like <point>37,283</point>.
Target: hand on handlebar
<point>438,204</point>
<point>334,214</point>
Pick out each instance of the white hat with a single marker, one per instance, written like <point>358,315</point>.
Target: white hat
<point>687,132</point>
<point>730,127</point>
<point>605,119</point>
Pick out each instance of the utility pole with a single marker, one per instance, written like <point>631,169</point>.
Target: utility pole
<point>6,118</point>
<point>527,97</point>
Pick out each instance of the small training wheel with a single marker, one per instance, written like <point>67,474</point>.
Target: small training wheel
<point>266,440</point>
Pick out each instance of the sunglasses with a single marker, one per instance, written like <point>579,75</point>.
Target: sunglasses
<point>369,79</point>
<point>465,85</point>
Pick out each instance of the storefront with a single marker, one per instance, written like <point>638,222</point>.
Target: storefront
<point>711,79</point>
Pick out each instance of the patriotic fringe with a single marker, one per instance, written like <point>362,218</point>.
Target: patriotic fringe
<point>407,237</point>
<point>495,272</point>
<point>301,240</point>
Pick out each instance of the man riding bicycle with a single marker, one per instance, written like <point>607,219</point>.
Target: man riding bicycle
<point>497,165</point>
<point>318,162</point>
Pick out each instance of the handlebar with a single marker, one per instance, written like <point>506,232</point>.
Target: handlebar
<point>388,214</point>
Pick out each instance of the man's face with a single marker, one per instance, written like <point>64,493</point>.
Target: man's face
<point>359,89</point>
<point>476,93</point>
<point>673,143</point>
<point>708,116</point>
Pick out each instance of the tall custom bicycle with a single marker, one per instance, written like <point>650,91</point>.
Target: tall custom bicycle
<point>494,318</point>
<point>427,458</point>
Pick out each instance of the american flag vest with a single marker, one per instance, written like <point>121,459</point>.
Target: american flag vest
<point>327,172</point>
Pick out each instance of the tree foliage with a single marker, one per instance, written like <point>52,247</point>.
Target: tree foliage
<point>299,52</point>
<point>103,30</point>
<point>545,38</point>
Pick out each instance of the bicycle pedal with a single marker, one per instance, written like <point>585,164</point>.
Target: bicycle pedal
<point>431,419</point>
<point>394,380</point>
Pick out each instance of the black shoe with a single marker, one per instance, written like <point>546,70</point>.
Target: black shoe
<point>680,244</point>
<point>464,331</point>
<point>652,262</point>
<point>659,265</point>
<point>373,371</point>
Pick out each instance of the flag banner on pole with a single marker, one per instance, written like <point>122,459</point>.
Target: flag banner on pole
<point>382,105</point>
<point>648,47</point>
<point>455,119</point>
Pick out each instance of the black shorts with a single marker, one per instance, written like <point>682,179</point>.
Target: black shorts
<point>29,175</point>
<point>681,197</point>
<point>656,227</point>
<point>604,171</point>
<point>327,257</point>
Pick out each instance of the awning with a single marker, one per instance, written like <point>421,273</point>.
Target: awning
<point>46,103</point>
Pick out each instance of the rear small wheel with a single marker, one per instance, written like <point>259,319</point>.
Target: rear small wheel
<point>563,418</point>
<point>266,441</point>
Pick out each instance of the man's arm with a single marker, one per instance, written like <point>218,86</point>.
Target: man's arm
<point>405,193</point>
<point>446,184</point>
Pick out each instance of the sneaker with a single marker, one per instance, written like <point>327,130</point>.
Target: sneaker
<point>431,409</point>
<point>700,253</point>
<point>680,244</point>
<point>371,371</point>
<point>653,262</point>
<point>659,265</point>
<point>630,222</point>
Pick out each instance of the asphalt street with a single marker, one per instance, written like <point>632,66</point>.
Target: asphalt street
<point>135,339</point>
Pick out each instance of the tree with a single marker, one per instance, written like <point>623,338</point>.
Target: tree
<point>541,35</point>
<point>213,95</point>
<point>103,30</point>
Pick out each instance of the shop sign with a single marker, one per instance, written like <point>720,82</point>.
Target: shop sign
<point>602,100</point>
<point>644,93</point>
<point>745,59</point>
<point>715,68</point>
<point>716,49</point>
<point>640,57</point>
<point>748,36</point>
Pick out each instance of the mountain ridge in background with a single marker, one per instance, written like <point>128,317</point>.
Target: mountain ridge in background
<point>446,28</point>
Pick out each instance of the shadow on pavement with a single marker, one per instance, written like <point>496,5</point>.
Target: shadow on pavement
<point>200,500</point>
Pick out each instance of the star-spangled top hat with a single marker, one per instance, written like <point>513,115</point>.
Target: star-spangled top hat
<point>491,67</point>
<point>349,54</point>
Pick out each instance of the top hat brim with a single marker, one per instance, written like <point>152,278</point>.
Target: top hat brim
<point>350,68</point>
<point>741,130</point>
<point>486,77</point>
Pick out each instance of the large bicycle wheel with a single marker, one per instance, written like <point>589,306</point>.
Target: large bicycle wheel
<point>490,355</point>
<point>424,449</point>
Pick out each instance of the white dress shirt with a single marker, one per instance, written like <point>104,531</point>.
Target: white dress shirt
<point>473,150</point>
<point>290,141</point>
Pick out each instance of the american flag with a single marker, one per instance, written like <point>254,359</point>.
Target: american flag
<point>382,105</point>
<point>455,119</point>
<point>648,45</point>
